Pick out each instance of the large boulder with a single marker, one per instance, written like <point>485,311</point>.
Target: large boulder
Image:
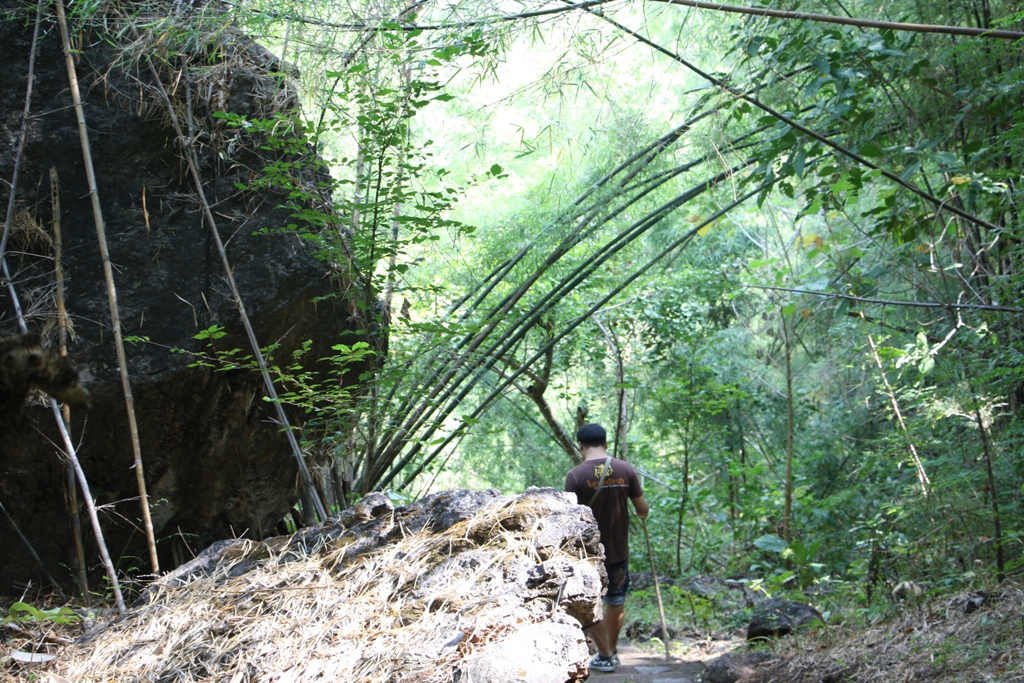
<point>460,586</point>
<point>215,461</point>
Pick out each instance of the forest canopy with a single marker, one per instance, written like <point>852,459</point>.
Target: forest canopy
<point>775,255</point>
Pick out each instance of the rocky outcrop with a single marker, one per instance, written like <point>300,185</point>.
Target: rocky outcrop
<point>460,586</point>
<point>215,461</point>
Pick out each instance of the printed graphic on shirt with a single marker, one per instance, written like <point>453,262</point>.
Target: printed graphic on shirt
<point>609,481</point>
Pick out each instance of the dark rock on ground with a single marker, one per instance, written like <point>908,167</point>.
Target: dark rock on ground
<point>974,600</point>
<point>776,617</point>
<point>215,462</point>
<point>704,586</point>
<point>642,632</point>
<point>640,581</point>
<point>737,667</point>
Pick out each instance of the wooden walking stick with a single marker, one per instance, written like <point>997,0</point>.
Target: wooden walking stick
<point>657,590</point>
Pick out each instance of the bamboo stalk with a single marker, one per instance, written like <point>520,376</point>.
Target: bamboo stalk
<point>8,220</point>
<point>787,507</point>
<point>891,302</point>
<point>922,475</point>
<point>108,274</point>
<point>16,302</point>
<point>14,297</point>
<point>190,158</point>
<point>657,589</point>
<point>63,326</point>
<point>76,525</point>
<point>69,451</point>
<point>993,492</point>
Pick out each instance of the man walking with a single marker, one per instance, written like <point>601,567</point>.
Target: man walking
<point>605,483</point>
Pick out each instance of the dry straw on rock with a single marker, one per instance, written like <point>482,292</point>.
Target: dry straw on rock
<point>306,607</point>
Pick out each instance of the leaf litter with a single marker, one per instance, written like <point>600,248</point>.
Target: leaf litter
<point>972,637</point>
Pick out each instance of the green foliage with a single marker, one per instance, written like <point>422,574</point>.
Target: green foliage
<point>22,613</point>
<point>796,568</point>
<point>888,325</point>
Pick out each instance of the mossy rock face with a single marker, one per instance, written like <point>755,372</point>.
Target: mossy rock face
<point>215,462</point>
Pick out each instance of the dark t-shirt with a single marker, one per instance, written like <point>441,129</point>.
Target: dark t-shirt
<point>610,508</point>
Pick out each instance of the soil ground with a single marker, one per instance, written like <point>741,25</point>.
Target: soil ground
<point>648,664</point>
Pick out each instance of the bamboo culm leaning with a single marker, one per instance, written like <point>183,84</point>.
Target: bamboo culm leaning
<point>108,274</point>
<point>15,301</point>
<point>190,159</point>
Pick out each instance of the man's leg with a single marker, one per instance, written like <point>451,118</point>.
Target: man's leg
<point>606,632</point>
<point>614,609</point>
<point>599,632</point>
<point>614,615</point>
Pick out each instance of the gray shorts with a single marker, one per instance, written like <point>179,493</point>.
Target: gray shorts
<point>618,583</point>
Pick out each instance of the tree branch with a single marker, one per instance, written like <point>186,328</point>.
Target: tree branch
<point>887,302</point>
<point>795,125</point>
<point>536,393</point>
<point>849,21</point>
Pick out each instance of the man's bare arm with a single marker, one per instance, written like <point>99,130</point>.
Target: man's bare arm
<point>642,508</point>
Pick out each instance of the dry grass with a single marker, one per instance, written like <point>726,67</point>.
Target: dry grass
<point>948,640</point>
<point>28,235</point>
<point>223,64</point>
<point>401,613</point>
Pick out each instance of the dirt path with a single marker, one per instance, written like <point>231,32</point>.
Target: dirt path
<point>650,666</point>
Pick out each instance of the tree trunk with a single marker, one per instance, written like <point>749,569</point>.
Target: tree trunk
<point>536,393</point>
<point>993,497</point>
<point>682,510</point>
<point>922,475</point>
<point>787,513</point>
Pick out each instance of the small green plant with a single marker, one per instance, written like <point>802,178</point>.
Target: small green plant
<point>685,611</point>
<point>23,613</point>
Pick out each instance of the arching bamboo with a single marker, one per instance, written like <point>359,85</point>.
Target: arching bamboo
<point>485,403</point>
<point>939,204</point>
